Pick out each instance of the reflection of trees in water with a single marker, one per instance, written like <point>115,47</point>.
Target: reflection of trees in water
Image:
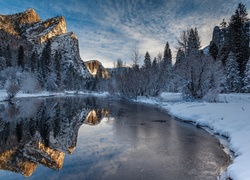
<point>41,131</point>
<point>19,131</point>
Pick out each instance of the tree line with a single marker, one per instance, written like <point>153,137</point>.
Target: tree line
<point>32,72</point>
<point>196,74</point>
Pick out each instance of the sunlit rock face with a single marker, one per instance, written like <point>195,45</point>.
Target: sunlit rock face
<point>41,132</point>
<point>27,29</point>
<point>28,25</point>
<point>96,68</point>
<point>95,116</point>
<point>16,23</point>
<point>25,159</point>
<point>45,30</point>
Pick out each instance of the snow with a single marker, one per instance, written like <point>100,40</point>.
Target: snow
<point>3,94</point>
<point>230,118</point>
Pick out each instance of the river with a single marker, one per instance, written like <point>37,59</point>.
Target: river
<point>77,137</point>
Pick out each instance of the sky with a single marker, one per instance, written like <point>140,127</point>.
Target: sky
<point>111,29</point>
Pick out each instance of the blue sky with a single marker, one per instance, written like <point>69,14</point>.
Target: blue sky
<point>111,29</point>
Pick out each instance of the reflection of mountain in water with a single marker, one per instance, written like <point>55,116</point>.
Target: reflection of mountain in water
<point>94,116</point>
<point>41,131</point>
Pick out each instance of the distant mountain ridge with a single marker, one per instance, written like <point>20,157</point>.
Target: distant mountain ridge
<point>96,68</point>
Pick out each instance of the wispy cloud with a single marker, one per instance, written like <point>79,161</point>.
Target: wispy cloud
<point>110,29</point>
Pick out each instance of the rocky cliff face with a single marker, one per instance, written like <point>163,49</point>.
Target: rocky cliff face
<point>42,31</point>
<point>219,36</point>
<point>16,23</point>
<point>96,68</point>
<point>28,30</point>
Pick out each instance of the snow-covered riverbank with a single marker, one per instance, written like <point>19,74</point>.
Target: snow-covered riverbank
<point>3,94</point>
<point>230,117</point>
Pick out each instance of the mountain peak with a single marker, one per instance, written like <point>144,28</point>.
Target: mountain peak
<point>14,23</point>
<point>29,16</point>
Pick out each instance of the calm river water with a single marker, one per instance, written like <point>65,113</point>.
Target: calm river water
<point>76,137</point>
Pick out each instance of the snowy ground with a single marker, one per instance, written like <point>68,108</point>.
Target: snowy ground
<point>230,117</point>
<point>3,94</point>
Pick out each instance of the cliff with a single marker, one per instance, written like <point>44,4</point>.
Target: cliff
<point>96,68</point>
<point>16,23</point>
<point>27,29</point>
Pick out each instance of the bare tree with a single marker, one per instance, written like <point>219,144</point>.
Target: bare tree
<point>183,40</point>
<point>135,57</point>
<point>12,88</point>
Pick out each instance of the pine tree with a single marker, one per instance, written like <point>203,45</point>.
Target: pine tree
<point>58,69</point>
<point>146,72</point>
<point>147,61</point>
<point>42,69</point>
<point>178,70</point>
<point>166,69</point>
<point>70,78</point>
<point>34,61</point>
<point>184,39</point>
<point>193,43</point>
<point>1,51</point>
<point>2,63</point>
<point>180,57</point>
<point>154,63</point>
<point>197,37</point>
<point>8,56</point>
<point>47,56</point>
<point>20,58</point>
<point>247,78</point>
<point>239,38</point>
<point>155,74</point>
<point>167,56</point>
<point>44,64</point>
<point>233,80</point>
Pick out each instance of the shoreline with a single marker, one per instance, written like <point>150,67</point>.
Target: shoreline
<point>223,140</point>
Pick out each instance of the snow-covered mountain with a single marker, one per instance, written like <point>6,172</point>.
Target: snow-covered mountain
<point>27,29</point>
